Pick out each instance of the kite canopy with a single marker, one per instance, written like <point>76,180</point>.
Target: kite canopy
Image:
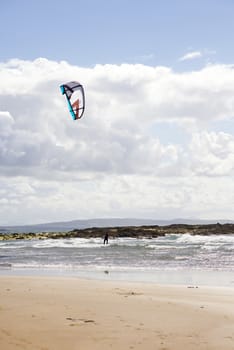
<point>74,93</point>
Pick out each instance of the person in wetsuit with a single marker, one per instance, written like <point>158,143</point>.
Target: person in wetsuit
<point>106,239</point>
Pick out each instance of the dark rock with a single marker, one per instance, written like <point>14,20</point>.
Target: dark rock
<point>127,231</point>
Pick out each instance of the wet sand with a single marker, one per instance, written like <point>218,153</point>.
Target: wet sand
<point>55,313</point>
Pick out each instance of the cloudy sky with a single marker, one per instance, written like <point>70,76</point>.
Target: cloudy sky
<point>157,137</point>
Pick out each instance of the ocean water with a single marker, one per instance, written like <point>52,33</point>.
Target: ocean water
<point>172,259</point>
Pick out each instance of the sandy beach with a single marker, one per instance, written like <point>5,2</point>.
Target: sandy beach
<point>55,313</point>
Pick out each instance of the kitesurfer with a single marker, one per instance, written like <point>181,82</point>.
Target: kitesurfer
<point>106,239</point>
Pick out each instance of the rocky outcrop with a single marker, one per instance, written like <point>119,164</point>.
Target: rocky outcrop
<point>127,231</point>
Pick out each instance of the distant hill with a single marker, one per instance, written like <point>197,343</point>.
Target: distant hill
<point>112,222</point>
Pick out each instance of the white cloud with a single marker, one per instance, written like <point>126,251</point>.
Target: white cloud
<point>29,200</point>
<point>111,162</point>
<point>191,56</point>
<point>213,153</point>
<point>6,122</point>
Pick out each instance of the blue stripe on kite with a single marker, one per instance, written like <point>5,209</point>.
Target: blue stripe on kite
<point>62,89</point>
<point>71,109</point>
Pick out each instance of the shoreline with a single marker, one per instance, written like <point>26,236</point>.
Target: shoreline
<point>60,313</point>
<point>189,277</point>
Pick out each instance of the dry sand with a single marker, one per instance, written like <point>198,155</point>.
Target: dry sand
<point>68,313</point>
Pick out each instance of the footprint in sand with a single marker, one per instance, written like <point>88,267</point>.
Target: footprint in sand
<point>79,321</point>
<point>127,294</point>
<point>6,332</point>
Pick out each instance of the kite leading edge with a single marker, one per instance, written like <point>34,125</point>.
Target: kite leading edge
<point>75,96</point>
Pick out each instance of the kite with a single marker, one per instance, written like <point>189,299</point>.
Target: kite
<point>75,96</point>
